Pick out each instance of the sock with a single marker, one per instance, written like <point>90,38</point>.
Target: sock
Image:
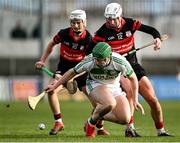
<point>131,123</point>
<point>160,127</point>
<point>99,125</point>
<point>91,121</point>
<point>58,117</point>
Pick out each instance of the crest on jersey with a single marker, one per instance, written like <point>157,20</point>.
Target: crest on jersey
<point>74,45</point>
<point>128,33</point>
<point>113,72</point>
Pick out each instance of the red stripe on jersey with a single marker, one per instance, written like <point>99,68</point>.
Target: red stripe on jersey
<point>98,39</point>
<point>71,54</point>
<point>136,25</point>
<point>57,39</point>
<point>122,46</point>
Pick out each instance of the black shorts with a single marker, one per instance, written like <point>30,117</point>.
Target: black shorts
<point>64,66</point>
<point>138,69</point>
<point>140,72</point>
<point>81,81</point>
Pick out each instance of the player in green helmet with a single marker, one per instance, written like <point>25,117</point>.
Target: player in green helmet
<point>105,69</point>
<point>102,50</point>
<point>102,53</point>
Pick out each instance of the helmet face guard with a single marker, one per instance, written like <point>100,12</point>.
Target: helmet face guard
<point>113,10</point>
<point>102,50</point>
<point>78,15</point>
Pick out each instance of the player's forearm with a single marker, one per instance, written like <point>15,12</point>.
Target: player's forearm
<point>66,77</point>
<point>47,51</point>
<point>134,85</point>
<point>150,30</point>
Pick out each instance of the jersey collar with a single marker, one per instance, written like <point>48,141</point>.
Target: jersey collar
<point>82,36</point>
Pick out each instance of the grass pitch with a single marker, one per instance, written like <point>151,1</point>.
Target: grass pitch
<point>19,124</point>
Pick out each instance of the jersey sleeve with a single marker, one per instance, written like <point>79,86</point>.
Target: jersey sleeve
<point>136,24</point>
<point>123,65</point>
<point>84,65</point>
<point>150,30</point>
<point>88,48</point>
<point>58,37</point>
<point>98,37</point>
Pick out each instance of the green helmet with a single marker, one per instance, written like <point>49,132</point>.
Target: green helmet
<point>102,50</point>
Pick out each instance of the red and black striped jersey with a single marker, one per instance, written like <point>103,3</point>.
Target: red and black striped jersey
<point>71,49</point>
<point>122,39</point>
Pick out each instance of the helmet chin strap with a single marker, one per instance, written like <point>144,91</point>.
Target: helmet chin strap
<point>77,32</point>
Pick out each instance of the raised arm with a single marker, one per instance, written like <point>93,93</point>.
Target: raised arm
<point>154,32</point>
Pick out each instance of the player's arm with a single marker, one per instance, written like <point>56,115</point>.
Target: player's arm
<point>130,74</point>
<point>48,50</point>
<point>45,55</point>
<point>66,77</point>
<point>97,38</point>
<point>134,84</point>
<point>90,47</point>
<point>154,32</point>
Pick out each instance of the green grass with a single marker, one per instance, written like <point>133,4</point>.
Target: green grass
<point>19,124</point>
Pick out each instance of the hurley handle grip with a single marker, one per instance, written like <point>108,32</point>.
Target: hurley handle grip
<point>163,37</point>
<point>46,70</point>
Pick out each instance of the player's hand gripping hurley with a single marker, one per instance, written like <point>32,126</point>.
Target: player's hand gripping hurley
<point>163,37</point>
<point>33,100</point>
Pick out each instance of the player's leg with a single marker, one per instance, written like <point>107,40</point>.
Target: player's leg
<point>55,107</point>
<point>63,66</point>
<point>126,86</point>
<point>121,114</point>
<point>146,90</point>
<point>105,104</point>
<point>148,93</point>
<point>81,82</point>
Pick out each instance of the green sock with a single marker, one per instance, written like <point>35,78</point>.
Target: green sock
<point>91,121</point>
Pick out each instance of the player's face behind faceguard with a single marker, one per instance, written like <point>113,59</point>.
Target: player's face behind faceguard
<point>77,26</point>
<point>114,23</point>
<point>103,62</point>
<point>102,54</point>
<point>78,21</point>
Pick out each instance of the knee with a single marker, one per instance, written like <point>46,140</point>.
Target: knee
<point>125,120</point>
<point>110,106</point>
<point>153,101</point>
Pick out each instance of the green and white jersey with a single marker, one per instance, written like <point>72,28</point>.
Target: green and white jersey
<point>105,75</point>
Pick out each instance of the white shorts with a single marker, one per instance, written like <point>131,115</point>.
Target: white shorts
<point>114,88</point>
